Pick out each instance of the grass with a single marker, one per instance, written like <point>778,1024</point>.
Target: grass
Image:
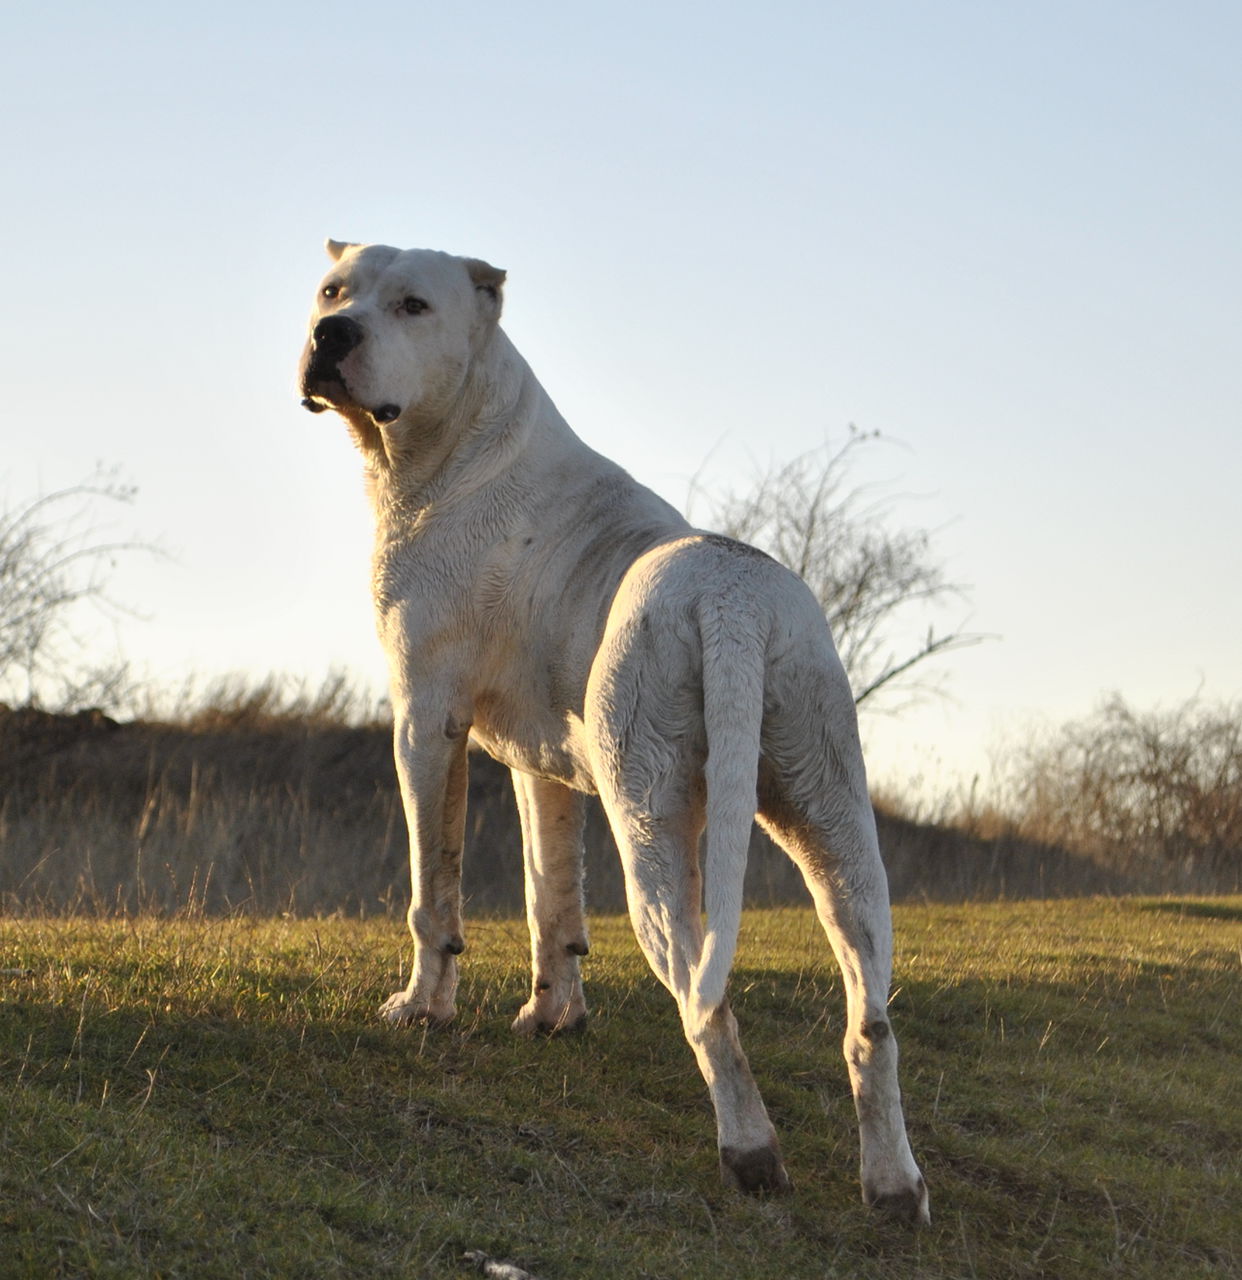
<point>199,1097</point>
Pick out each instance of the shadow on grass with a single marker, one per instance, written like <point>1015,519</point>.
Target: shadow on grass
<point>1202,909</point>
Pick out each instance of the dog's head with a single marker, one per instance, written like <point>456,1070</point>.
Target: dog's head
<point>393,332</point>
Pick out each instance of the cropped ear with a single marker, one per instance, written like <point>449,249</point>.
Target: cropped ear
<point>337,247</point>
<point>488,283</point>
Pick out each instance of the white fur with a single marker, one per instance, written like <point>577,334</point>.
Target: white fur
<point>531,596</point>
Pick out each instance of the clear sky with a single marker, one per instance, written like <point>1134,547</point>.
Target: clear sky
<point>1006,236</point>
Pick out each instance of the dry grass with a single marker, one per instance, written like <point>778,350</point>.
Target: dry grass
<point>276,799</point>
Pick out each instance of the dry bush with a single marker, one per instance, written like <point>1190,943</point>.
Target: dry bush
<point>1157,794</point>
<point>55,558</point>
<point>876,583</point>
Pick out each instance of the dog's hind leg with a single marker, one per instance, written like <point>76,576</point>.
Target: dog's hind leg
<point>663,888</point>
<point>840,860</point>
<point>552,819</point>
<point>433,771</point>
<point>675,737</point>
<point>664,891</point>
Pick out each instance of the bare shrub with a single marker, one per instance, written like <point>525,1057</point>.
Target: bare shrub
<point>1157,793</point>
<point>55,558</point>
<point>875,582</point>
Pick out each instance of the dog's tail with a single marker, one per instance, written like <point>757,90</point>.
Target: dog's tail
<point>733,675</point>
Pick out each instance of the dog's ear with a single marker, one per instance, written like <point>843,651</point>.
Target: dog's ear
<point>488,284</point>
<point>337,247</point>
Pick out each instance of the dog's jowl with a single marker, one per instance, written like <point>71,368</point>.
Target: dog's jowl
<point>532,597</point>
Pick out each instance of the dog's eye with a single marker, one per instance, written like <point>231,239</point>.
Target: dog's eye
<point>412,306</point>
<point>330,291</point>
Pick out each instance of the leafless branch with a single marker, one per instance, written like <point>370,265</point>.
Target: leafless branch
<point>54,559</point>
<point>872,579</point>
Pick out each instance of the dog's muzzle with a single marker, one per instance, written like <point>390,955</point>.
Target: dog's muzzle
<point>323,384</point>
<point>333,338</point>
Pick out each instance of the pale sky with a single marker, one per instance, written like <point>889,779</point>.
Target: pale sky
<point>1006,236</point>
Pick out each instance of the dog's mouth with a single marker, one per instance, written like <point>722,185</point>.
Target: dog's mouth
<point>322,391</point>
<point>323,385</point>
<point>320,395</point>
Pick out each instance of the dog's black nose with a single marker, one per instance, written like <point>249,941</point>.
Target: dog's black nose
<point>336,336</point>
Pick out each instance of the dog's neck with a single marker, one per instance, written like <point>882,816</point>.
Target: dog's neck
<point>412,465</point>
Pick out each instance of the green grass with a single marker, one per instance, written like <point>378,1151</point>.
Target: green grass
<point>217,1098</point>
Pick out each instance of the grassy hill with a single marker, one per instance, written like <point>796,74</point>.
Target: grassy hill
<point>203,1097</point>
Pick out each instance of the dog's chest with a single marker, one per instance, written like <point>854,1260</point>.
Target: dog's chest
<point>538,746</point>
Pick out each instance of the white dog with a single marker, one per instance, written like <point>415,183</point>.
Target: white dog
<point>532,596</point>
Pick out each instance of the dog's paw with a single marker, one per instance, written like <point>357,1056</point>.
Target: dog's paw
<point>756,1172</point>
<point>907,1204</point>
<point>402,1009</point>
<point>540,1017</point>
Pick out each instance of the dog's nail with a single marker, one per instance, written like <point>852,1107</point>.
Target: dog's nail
<point>386,413</point>
<point>313,405</point>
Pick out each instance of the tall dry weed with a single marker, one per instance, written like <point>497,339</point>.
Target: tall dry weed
<point>269,801</point>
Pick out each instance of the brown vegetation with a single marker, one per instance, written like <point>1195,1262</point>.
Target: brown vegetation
<point>258,805</point>
<point>1155,794</point>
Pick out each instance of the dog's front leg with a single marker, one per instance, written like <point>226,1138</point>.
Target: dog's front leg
<point>552,818</point>
<point>433,772</point>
